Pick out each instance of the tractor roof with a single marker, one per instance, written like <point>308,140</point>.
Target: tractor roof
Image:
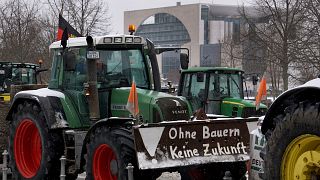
<point>208,69</point>
<point>108,39</point>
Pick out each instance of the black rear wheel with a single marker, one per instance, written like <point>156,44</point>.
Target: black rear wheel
<point>293,147</point>
<point>34,151</point>
<point>109,151</point>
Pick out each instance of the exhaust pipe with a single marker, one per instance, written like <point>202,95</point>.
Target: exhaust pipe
<point>91,89</point>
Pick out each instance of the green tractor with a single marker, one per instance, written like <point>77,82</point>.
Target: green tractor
<point>15,74</point>
<point>218,90</point>
<point>82,115</point>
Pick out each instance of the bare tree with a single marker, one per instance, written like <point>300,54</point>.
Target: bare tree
<point>20,31</point>
<point>278,34</point>
<point>232,53</point>
<point>86,16</point>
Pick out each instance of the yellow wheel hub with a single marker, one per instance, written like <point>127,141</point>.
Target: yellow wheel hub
<point>301,160</point>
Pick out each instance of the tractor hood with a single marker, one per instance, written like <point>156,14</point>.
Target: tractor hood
<point>242,102</point>
<point>241,108</point>
<point>154,106</point>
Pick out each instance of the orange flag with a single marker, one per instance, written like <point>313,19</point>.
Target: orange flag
<point>262,92</point>
<point>132,104</point>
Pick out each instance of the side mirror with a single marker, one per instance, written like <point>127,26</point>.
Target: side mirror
<point>184,60</point>
<point>69,59</point>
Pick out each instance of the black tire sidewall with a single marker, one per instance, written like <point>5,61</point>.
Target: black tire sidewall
<point>37,118</point>
<point>105,135</point>
<point>300,122</point>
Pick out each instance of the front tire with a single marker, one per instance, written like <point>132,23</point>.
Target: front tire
<point>34,151</point>
<point>293,147</point>
<point>109,151</point>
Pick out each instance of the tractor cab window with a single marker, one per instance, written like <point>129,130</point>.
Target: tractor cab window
<point>23,75</point>
<point>223,79</point>
<point>225,85</point>
<point>119,68</point>
<point>75,69</point>
<point>214,90</point>
<point>186,84</point>
<point>197,90</point>
<point>235,83</point>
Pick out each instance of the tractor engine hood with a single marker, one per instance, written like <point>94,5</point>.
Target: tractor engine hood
<point>242,108</point>
<point>154,106</point>
<point>170,108</point>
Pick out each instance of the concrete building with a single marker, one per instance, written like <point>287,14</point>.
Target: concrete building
<point>211,32</point>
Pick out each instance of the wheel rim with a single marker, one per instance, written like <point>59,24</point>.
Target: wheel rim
<point>27,148</point>
<point>301,159</point>
<point>104,163</point>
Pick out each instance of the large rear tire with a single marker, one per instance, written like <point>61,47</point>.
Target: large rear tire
<point>34,151</point>
<point>109,151</point>
<point>293,147</point>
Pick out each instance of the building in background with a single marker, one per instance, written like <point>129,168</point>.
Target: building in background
<point>211,32</point>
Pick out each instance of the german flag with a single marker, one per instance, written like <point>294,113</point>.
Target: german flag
<point>65,26</point>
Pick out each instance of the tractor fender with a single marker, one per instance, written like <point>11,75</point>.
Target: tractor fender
<point>309,91</point>
<point>110,122</point>
<point>50,106</point>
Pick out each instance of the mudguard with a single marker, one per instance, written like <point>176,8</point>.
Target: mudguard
<point>309,91</point>
<point>49,102</point>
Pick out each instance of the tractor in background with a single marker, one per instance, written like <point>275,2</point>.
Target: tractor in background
<point>83,116</point>
<point>15,77</point>
<point>218,90</point>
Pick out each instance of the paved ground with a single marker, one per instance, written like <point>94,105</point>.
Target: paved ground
<point>164,176</point>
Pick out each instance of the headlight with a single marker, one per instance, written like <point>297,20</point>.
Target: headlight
<point>137,40</point>
<point>118,40</point>
<point>107,40</point>
<point>129,39</point>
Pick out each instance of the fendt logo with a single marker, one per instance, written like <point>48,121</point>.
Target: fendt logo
<point>178,104</point>
<point>176,112</point>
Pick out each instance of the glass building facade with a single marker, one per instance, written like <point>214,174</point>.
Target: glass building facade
<point>219,33</point>
<point>165,30</point>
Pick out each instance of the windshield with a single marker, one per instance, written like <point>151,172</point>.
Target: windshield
<point>115,68</point>
<point>225,85</point>
<point>120,67</point>
<point>194,89</point>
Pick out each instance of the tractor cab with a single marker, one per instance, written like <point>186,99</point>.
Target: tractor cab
<point>96,76</point>
<point>217,90</point>
<point>15,74</point>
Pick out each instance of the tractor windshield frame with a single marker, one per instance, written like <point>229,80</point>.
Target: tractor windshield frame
<point>119,74</point>
<point>222,84</point>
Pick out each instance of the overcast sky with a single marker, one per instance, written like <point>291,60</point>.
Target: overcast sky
<point>117,7</point>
